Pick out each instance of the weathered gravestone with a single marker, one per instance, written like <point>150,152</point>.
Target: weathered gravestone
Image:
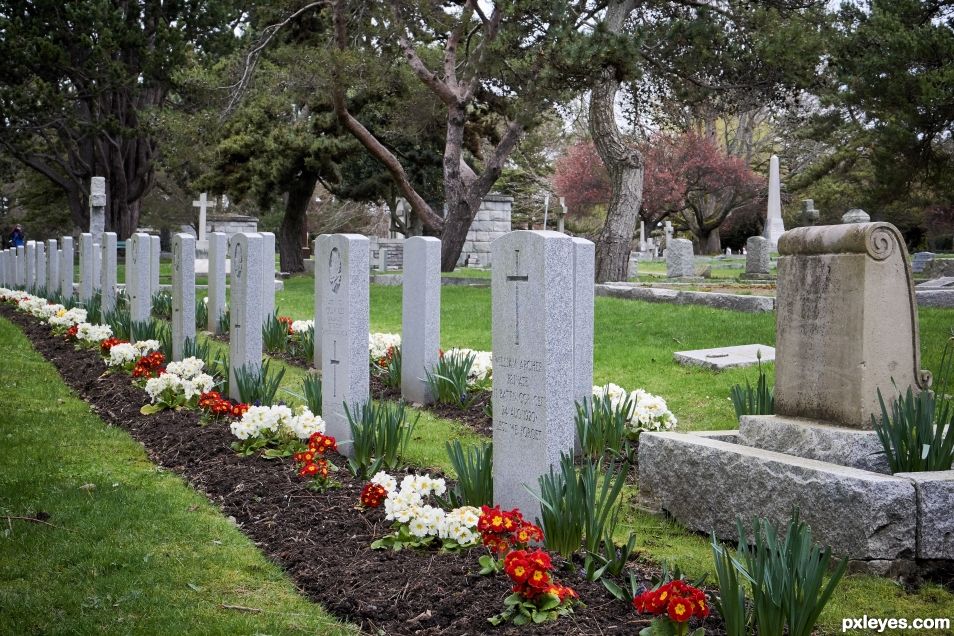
<point>846,328</point>
<point>420,316</point>
<point>218,249</point>
<point>86,267</point>
<point>758,261</point>
<point>40,277</point>
<point>138,289</point>
<point>319,304</point>
<point>774,226</point>
<point>855,215</point>
<point>66,267</point>
<point>52,267</point>
<point>342,267</point>
<point>107,271</point>
<point>679,259</point>
<point>245,312</point>
<point>268,274</point>
<point>97,208</point>
<point>532,296</point>
<point>29,253</point>
<point>183,292</point>
<point>920,260</point>
<point>155,252</point>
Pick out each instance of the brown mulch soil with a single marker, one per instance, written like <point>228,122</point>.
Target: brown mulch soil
<point>474,416</point>
<point>321,539</point>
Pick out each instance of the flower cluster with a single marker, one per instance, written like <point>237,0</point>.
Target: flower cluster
<point>301,326</point>
<point>148,366</point>
<point>277,422</point>
<point>380,343</point>
<point>214,404</point>
<point>416,521</point>
<point>532,575</point>
<point>107,344</point>
<point>91,335</point>
<point>481,369</point>
<point>125,354</point>
<point>180,384</point>
<point>312,464</point>
<point>647,412</point>
<point>373,495</point>
<point>676,600</point>
<point>71,332</point>
<point>64,318</point>
<point>503,531</point>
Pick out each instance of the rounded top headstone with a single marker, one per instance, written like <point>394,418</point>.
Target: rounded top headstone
<point>856,215</point>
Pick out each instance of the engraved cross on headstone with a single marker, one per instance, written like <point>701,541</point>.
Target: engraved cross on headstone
<point>517,278</point>
<point>334,367</point>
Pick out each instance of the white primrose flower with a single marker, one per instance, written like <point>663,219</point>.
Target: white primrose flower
<point>155,387</point>
<point>93,333</point>
<point>379,343</point>
<point>68,317</point>
<point>300,326</point>
<point>305,423</point>
<point>385,480</point>
<point>196,386</point>
<point>122,354</point>
<point>187,368</point>
<point>145,347</point>
<point>482,367</point>
<point>460,525</point>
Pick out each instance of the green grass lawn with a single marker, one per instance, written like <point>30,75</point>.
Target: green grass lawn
<point>131,549</point>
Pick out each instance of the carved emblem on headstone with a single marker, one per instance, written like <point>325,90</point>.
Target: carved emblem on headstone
<point>334,270</point>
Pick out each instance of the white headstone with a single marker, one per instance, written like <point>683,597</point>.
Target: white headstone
<point>757,258</point>
<point>319,290</point>
<point>86,267</point>
<point>268,274</point>
<point>52,267</point>
<point>40,280</point>
<point>584,275</point>
<point>533,381</point>
<point>155,251</point>
<point>642,235</point>
<point>183,292</point>
<point>218,248</point>
<point>107,271</point>
<point>245,313</point>
<point>97,265</point>
<point>420,316</point>
<point>30,264</point>
<point>138,289</point>
<point>774,226</point>
<point>20,261</point>
<point>4,277</point>
<point>66,267</point>
<point>342,267</point>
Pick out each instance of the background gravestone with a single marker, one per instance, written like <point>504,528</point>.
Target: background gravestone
<point>268,275</point>
<point>66,267</point>
<point>218,249</point>
<point>420,316</point>
<point>758,261</point>
<point>920,260</point>
<point>97,208</point>
<point>245,313</point>
<point>532,295</point>
<point>107,272</point>
<point>342,267</point>
<point>319,304</point>
<point>29,254</point>
<point>86,267</point>
<point>774,226</point>
<point>20,260</point>
<point>40,275</point>
<point>183,292</point>
<point>155,252</point>
<point>97,266</point>
<point>584,273</point>
<point>138,289</point>
<point>52,267</point>
<point>679,259</point>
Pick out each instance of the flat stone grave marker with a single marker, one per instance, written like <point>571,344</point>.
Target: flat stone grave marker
<point>343,266</point>
<point>720,358</point>
<point>245,314</point>
<point>532,299</point>
<point>183,292</point>
<point>920,260</point>
<point>937,283</point>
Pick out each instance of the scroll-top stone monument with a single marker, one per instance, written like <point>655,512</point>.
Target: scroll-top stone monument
<point>846,328</point>
<point>532,292</point>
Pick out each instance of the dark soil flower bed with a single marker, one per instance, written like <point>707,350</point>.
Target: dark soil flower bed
<point>322,539</point>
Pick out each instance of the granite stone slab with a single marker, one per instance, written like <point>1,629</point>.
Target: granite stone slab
<point>726,357</point>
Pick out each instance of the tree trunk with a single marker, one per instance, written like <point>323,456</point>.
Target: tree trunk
<point>623,163</point>
<point>294,223</point>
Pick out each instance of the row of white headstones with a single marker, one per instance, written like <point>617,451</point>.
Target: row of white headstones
<point>542,324</point>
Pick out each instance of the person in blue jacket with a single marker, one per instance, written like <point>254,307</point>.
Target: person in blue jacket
<point>16,236</point>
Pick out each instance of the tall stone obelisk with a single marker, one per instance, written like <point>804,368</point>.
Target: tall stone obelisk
<point>774,226</point>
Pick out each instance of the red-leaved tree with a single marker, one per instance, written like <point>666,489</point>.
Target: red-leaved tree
<point>581,178</point>
<point>691,179</point>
